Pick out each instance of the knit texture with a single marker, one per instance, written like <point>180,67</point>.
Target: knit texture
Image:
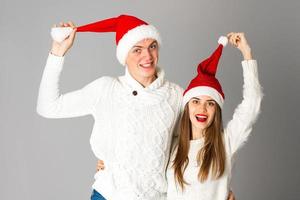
<point>235,134</point>
<point>131,133</point>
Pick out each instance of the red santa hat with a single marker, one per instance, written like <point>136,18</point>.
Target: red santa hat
<point>129,30</point>
<point>206,83</point>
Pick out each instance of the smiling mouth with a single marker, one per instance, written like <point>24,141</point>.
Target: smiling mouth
<point>146,65</point>
<point>201,118</point>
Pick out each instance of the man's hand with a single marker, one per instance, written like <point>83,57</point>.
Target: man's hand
<point>60,48</point>
<point>231,196</point>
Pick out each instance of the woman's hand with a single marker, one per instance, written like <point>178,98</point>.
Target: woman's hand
<point>239,41</point>
<point>231,196</point>
<point>60,48</point>
<point>100,165</point>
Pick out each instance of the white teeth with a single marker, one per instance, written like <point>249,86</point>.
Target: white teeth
<point>203,117</point>
<point>146,65</point>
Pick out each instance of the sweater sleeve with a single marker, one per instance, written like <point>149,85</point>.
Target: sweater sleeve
<point>52,104</point>
<point>239,128</point>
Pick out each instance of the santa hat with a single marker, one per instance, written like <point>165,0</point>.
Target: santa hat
<point>206,83</point>
<point>129,30</point>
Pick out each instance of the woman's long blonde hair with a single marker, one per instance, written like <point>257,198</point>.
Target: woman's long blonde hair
<point>211,157</point>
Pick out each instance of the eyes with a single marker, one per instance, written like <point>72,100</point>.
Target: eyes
<point>153,46</point>
<point>138,50</point>
<point>207,103</point>
<point>211,103</point>
<point>195,101</point>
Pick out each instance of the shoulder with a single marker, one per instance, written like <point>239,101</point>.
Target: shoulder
<point>174,87</point>
<point>175,93</point>
<point>100,83</point>
<point>104,80</point>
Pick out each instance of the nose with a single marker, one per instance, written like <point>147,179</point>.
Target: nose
<point>147,54</point>
<point>202,107</point>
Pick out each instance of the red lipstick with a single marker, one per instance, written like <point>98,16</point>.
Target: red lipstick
<point>201,117</point>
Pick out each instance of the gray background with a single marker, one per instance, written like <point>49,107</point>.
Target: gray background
<point>51,158</point>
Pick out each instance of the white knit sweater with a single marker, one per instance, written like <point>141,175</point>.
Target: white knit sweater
<point>235,134</point>
<point>132,133</point>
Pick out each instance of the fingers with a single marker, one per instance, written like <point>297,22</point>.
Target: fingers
<point>100,165</point>
<point>70,38</point>
<point>233,39</point>
<point>230,34</point>
<point>73,33</point>
<point>231,196</point>
<point>72,24</point>
<point>64,24</point>
<point>100,162</point>
<point>236,38</point>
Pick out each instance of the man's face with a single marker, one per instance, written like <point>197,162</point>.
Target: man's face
<point>142,61</point>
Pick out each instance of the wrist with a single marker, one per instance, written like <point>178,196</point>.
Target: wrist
<point>57,52</point>
<point>247,53</point>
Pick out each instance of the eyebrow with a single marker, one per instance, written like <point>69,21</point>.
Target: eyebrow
<point>137,46</point>
<point>206,100</point>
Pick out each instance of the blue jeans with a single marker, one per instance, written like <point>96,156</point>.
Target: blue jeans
<point>97,196</point>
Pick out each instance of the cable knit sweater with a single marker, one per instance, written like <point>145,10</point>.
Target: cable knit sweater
<point>235,134</point>
<point>132,130</point>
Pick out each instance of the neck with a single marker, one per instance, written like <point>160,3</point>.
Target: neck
<point>146,81</point>
<point>197,133</point>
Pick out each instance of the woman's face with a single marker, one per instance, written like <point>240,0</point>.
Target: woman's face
<point>202,112</point>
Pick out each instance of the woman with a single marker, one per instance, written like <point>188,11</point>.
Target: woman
<point>200,165</point>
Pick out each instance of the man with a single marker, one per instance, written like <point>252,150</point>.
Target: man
<point>134,114</point>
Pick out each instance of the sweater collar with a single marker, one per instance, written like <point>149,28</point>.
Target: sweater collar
<point>154,85</point>
<point>197,142</point>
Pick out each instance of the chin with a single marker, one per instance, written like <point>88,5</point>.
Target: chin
<point>149,72</point>
<point>201,126</point>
